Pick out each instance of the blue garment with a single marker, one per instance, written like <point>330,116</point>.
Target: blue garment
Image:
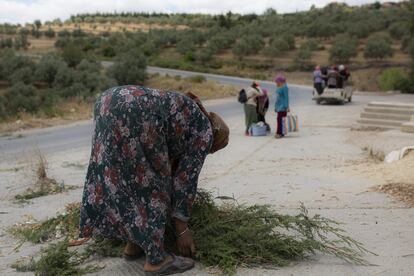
<point>317,76</point>
<point>282,98</point>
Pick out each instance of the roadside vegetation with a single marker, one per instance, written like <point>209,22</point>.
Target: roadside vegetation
<point>44,66</point>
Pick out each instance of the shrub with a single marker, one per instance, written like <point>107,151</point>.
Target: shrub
<point>391,79</point>
<point>149,48</point>
<point>88,74</point>
<point>197,78</point>
<point>290,40</point>
<point>21,42</point>
<point>10,63</point>
<point>241,49</point>
<point>311,44</point>
<point>50,33</point>
<point>204,55</point>
<point>129,68</point>
<point>64,77</point>
<point>277,47</point>
<point>64,34</point>
<point>22,98</point>
<point>78,33</point>
<point>24,75</point>
<point>185,45</point>
<point>302,59</point>
<point>358,30</point>
<point>321,28</point>
<point>344,48</point>
<point>72,54</point>
<point>3,112</point>
<point>108,51</point>
<point>48,67</point>
<point>189,56</point>
<point>221,41</point>
<point>378,47</point>
<point>6,43</point>
<point>405,43</point>
<point>398,30</point>
<point>75,90</point>
<point>406,85</point>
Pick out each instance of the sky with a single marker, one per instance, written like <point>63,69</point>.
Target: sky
<point>26,11</point>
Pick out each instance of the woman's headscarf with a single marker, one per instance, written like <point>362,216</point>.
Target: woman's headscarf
<point>220,129</point>
<point>280,78</point>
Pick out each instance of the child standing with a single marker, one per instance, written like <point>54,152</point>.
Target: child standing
<point>282,103</point>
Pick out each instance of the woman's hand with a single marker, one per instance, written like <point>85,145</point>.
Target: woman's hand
<point>185,242</point>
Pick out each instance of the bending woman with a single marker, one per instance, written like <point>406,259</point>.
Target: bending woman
<point>148,149</point>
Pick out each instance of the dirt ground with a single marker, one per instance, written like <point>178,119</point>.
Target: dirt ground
<point>325,165</point>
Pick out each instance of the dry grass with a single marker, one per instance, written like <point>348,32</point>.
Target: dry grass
<point>71,111</point>
<point>41,45</point>
<point>97,28</point>
<point>395,179</point>
<point>401,191</point>
<point>205,90</point>
<point>43,185</point>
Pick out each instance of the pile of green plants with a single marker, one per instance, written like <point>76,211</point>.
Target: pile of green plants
<point>227,236</point>
<point>57,259</point>
<point>231,236</point>
<point>63,225</point>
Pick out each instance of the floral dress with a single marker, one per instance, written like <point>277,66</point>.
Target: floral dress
<point>130,186</point>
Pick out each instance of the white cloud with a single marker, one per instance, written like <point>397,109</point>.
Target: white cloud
<point>23,11</point>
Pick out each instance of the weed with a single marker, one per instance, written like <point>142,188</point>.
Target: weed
<point>15,169</point>
<point>43,185</point>
<point>23,265</point>
<point>197,78</point>
<point>5,134</point>
<point>57,259</point>
<point>65,224</point>
<point>375,155</point>
<point>75,165</point>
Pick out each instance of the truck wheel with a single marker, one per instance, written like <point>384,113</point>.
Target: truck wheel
<point>318,101</point>
<point>350,99</point>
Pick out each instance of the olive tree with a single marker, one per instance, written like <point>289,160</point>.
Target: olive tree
<point>302,59</point>
<point>48,67</point>
<point>129,68</point>
<point>344,48</point>
<point>277,47</point>
<point>378,47</point>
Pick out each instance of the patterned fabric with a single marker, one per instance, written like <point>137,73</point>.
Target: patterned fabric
<point>130,184</point>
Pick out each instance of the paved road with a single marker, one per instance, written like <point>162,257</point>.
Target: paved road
<point>55,139</point>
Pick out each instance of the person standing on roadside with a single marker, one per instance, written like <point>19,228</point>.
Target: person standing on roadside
<point>262,107</point>
<point>250,107</point>
<point>317,80</point>
<point>281,104</point>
